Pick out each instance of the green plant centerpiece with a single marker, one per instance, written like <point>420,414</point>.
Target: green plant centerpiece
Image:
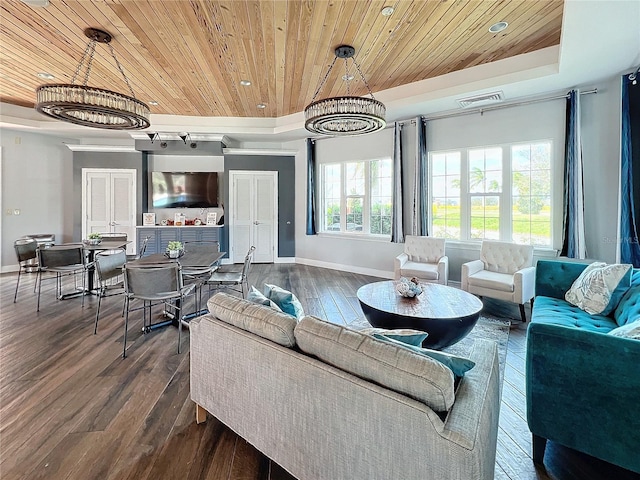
<point>94,238</point>
<point>174,249</point>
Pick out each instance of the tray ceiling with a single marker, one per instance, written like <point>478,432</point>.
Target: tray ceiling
<point>190,56</point>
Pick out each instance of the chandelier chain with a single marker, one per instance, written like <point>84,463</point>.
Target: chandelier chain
<point>91,54</point>
<point>84,55</point>
<point>346,76</point>
<point>324,79</point>
<point>126,80</point>
<point>362,76</point>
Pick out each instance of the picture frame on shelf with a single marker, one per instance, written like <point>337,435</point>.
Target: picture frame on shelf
<point>212,218</point>
<point>148,218</point>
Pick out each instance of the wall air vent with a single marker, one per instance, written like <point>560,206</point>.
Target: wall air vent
<point>480,100</point>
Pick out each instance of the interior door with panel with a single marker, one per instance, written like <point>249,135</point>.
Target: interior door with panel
<point>109,203</point>
<point>253,218</point>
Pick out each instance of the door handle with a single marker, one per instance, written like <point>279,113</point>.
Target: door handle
<point>113,224</point>
<point>256,223</point>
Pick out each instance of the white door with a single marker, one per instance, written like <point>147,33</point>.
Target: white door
<point>109,203</point>
<point>254,218</point>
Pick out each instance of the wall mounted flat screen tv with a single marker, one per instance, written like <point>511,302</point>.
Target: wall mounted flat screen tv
<point>185,189</point>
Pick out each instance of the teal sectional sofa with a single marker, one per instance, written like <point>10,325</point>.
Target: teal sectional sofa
<point>582,385</point>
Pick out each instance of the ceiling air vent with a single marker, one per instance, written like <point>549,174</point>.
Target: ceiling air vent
<point>482,99</point>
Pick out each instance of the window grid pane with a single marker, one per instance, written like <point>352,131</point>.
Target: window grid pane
<point>381,199</point>
<point>331,207</point>
<point>351,190</point>
<point>531,194</point>
<point>445,188</point>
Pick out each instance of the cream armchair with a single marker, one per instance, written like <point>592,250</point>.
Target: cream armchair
<point>423,258</point>
<point>505,271</point>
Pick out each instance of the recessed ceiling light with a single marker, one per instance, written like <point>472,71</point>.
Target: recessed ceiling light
<point>347,77</point>
<point>46,76</point>
<point>37,3</point>
<point>387,11</point>
<point>153,102</point>
<point>245,83</point>
<point>498,27</point>
<point>262,105</point>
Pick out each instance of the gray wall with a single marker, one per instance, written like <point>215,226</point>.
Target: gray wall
<point>36,179</point>
<point>285,166</point>
<point>104,160</point>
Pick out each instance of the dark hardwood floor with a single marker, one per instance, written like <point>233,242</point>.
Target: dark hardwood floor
<point>72,408</point>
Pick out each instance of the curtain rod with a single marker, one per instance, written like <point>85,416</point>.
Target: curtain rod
<point>491,108</point>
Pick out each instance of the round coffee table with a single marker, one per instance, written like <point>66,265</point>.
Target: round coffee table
<point>447,314</point>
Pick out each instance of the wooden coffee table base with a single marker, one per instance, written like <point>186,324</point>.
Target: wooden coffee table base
<point>447,314</point>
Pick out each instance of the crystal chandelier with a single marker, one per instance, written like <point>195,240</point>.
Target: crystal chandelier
<point>346,115</point>
<point>91,106</point>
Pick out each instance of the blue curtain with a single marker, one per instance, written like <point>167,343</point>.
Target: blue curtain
<point>397,229</point>
<point>629,205</point>
<point>311,187</point>
<point>573,242</point>
<point>421,185</point>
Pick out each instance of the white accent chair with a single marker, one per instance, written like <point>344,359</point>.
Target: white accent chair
<point>423,258</point>
<point>505,271</point>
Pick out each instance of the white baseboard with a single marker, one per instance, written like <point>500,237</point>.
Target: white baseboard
<point>345,268</point>
<point>285,260</point>
<point>9,269</point>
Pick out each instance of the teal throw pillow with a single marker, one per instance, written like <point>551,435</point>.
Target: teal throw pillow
<point>404,335</point>
<point>458,365</point>
<point>286,300</point>
<point>256,296</point>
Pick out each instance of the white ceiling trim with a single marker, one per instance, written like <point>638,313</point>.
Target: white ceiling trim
<point>257,151</point>
<point>101,148</point>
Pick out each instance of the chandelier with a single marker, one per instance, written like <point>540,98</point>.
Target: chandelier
<point>348,115</point>
<point>91,106</point>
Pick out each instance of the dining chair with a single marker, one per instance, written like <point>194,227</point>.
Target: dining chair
<point>63,260</point>
<point>108,268</point>
<point>26,250</point>
<point>154,284</point>
<point>198,275</point>
<point>141,250</point>
<point>233,280</point>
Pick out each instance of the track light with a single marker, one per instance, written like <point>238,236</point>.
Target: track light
<point>153,136</point>
<point>634,76</point>
<point>184,136</point>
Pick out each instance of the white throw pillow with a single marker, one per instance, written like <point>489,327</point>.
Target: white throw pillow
<point>630,330</point>
<point>598,289</point>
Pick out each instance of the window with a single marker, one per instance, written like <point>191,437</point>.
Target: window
<point>498,193</point>
<point>356,196</point>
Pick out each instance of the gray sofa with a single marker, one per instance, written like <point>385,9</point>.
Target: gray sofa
<point>321,423</point>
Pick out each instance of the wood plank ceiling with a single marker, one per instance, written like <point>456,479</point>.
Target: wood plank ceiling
<point>191,55</point>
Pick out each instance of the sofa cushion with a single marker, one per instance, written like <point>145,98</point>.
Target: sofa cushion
<point>426,271</point>
<point>630,330</point>
<point>257,319</point>
<point>286,300</point>
<point>256,296</point>
<point>628,310</point>
<point>404,335</point>
<point>458,365</point>
<point>391,366</point>
<point>492,280</point>
<point>600,287</point>
<point>554,311</point>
